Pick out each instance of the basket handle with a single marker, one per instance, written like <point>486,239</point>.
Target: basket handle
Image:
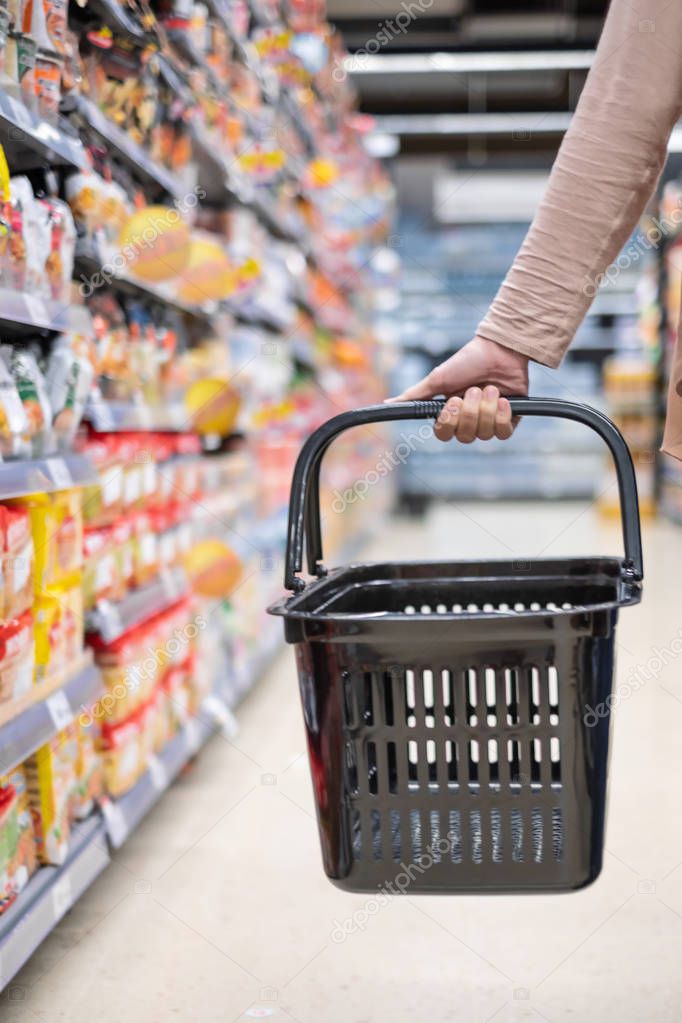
<point>304,506</point>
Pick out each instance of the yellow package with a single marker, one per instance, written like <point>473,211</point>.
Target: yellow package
<point>69,593</point>
<point>52,788</point>
<point>49,629</point>
<point>69,540</point>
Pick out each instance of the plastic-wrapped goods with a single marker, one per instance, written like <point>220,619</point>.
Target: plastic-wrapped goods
<point>14,427</point>
<point>69,377</point>
<point>32,389</point>
<point>121,750</point>
<point>18,562</point>
<point>19,847</point>
<point>89,771</point>
<point>60,253</point>
<point>16,656</point>
<point>53,792</point>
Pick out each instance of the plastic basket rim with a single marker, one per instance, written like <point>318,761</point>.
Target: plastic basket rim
<point>628,592</point>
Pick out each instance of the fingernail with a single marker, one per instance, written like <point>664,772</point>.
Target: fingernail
<point>474,392</point>
<point>490,392</point>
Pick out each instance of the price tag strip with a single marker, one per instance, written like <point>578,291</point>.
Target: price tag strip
<point>157,773</point>
<point>60,473</point>
<point>59,709</point>
<point>62,897</point>
<point>114,818</point>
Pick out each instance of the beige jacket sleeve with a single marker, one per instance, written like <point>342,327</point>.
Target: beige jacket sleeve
<point>604,174</point>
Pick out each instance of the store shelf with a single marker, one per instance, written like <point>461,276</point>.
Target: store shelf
<point>123,815</point>
<point>118,142</point>
<point>24,135</point>
<point>113,416</point>
<point>89,264</point>
<point>32,476</point>
<point>50,894</point>
<point>21,313</point>
<point>110,619</point>
<point>30,721</point>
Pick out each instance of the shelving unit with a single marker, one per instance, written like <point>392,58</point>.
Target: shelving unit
<point>110,619</point>
<point>30,721</point>
<point>49,895</point>
<point>123,815</point>
<point>44,475</point>
<point>26,137</point>
<point>83,138</point>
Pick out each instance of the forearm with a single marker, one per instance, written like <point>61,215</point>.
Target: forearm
<point>604,174</point>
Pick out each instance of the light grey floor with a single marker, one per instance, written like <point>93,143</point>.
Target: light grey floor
<point>217,909</point>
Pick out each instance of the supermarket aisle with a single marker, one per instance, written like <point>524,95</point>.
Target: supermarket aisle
<point>217,910</point>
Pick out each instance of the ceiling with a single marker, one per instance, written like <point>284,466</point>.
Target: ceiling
<point>494,64</point>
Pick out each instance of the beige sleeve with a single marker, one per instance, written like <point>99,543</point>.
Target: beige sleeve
<point>603,176</point>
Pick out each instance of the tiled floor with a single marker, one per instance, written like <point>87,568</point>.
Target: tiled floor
<point>217,909</point>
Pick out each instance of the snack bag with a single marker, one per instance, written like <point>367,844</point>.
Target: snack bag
<point>16,656</point>
<point>18,560</point>
<point>69,538</point>
<point>32,391</point>
<point>60,255</point>
<point>69,379</point>
<point>25,862</point>
<point>35,230</point>
<point>89,771</point>
<point>69,593</point>
<point>44,527</point>
<point>52,787</point>
<point>14,427</point>
<point>121,750</point>
<point>9,841</point>
<point>101,578</point>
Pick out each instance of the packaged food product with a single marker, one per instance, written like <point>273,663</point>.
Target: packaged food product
<point>69,593</point>
<point>50,638</point>
<point>16,656</point>
<point>32,390</point>
<point>120,746</point>
<point>62,230</point>
<point>146,561</point>
<point>103,501</point>
<point>26,60</point>
<point>47,77</point>
<point>69,379</point>
<point>9,842</point>
<point>44,528</point>
<point>14,428</point>
<point>82,191</point>
<point>24,862</point>
<point>89,771</point>
<point>18,564</point>
<point>101,578</point>
<point>69,538</point>
<point>52,788</point>
<point>123,532</point>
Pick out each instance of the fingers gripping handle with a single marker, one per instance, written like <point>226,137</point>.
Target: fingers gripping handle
<point>304,506</point>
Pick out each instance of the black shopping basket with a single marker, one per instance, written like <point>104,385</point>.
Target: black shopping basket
<point>452,709</point>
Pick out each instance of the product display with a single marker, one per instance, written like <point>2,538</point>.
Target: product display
<point>183,302</point>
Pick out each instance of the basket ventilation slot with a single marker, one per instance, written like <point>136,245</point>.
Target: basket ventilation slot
<point>419,839</point>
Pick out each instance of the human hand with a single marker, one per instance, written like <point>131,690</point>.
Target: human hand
<point>472,380</point>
